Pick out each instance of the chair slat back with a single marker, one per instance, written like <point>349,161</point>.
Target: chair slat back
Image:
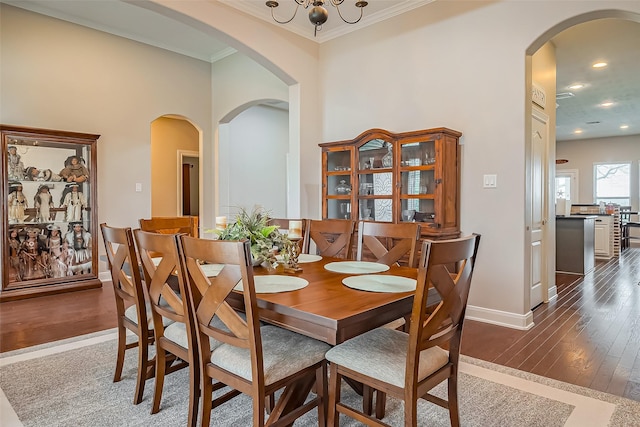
<point>162,277</point>
<point>208,296</point>
<point>332,237</point>
<point>448,266</point>
<point>124,267</point>
<point>389,243</point>
<point>171,225</point>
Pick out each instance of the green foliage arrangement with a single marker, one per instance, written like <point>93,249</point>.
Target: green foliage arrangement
<point>252,225</point>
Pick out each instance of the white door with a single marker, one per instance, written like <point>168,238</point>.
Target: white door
<point>539,141</point>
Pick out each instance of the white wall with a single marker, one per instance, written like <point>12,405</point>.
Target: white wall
<point>459,65</point>
<point>58,75</point>
<point>257,162</point>
<point>582,154</point>
<point>239,83</point>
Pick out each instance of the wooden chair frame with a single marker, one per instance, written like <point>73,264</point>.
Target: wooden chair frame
<point>128,290</point>
<point>166,302</point>
<point>171,225</point>
<point>332,237</point>
<point>389,243</point>
<point>207,297</point>
<point>428,329</point>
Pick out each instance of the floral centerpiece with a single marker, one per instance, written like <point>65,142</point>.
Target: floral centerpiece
<point>265,239</point>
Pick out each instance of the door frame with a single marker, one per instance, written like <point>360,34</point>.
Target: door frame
<point>538,114</point>
<point>181,154</point>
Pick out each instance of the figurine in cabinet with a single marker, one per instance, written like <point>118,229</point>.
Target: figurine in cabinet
<point>58,256</point>
<point>17,203</point>
<point>32,251</point>
<point>74,201</point>
<point>14,252</point>
<point>15,166</point>
<point>387,159</point>
<point>74,170</point>
<point>43,202</point>
<point>80,241</point>
<point>32,173</point>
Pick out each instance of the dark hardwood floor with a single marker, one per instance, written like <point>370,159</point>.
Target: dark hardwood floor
<point>589,336</point>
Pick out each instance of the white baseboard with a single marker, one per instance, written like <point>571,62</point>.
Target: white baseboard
<point>552,293</point>
<point>501,318</point>
<point>104,276</point>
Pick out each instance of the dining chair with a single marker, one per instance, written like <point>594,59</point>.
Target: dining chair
<point>389,243</point>
<point>171,225</point>
<point>332,237</point>
<point>131,307</point>
<point>254,360</point>
<point>408,365</point>
<point>175,343</point>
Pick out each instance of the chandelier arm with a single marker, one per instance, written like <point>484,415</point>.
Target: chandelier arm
<point>290,19</point>
<point>342,17</point>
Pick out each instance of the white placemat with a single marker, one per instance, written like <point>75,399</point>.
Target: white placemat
<point>275,283</point>
<point>303,258</point>
<point>211,270</point>
<point>380,283</point>
<point>356,267</point>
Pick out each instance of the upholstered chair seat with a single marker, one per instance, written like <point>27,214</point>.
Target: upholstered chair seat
<point>284,353</point>
<point>382,354</point>
<point>130,313</point>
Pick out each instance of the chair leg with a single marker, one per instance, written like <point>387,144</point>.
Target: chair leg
<point>322,391</point>
<point>381,403</point>
<point>143,362</point>
<point>122,347</point>
<point>333,419</point>
<point>367,399</point>
<point>206,384</point>
<point>454,416</point>
<point>194,393</point>
<point>160,372</point>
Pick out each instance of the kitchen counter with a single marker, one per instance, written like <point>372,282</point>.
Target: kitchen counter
<point>575,240</point>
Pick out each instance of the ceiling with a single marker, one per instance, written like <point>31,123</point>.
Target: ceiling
<point>613,41</point>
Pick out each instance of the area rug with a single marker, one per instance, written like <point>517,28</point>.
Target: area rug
<point>69,383</point>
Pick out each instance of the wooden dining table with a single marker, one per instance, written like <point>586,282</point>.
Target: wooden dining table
<point>326,309</point>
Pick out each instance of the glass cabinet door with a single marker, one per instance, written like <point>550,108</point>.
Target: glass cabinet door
<point>375,181</point>
<point>338,184</point>
<point>418,181</point>
<point>50,211</point>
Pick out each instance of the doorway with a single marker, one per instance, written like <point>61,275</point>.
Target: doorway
<point>173,141</point>
<point>188,183</point>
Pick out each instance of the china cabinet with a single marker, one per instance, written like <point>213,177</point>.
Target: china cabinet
<point>49,216</point>
<point>395,177</point>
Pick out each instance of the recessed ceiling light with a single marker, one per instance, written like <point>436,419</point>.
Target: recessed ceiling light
<point>576,86</point>
<point>599,65</point>
<point>606,104</point>
<point>624,127</point>
<point>577,131</point>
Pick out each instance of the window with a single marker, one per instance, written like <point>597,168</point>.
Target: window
<point>613,183</point>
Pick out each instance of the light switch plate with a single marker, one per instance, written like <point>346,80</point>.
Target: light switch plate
<point>490,181</point>
<point>138,187</point>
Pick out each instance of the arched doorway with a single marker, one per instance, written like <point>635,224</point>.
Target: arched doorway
<point>175,167</point>
<point>541,73</point>
<point>254,137</point>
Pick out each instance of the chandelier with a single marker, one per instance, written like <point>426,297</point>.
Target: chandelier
<point>318,14</point>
